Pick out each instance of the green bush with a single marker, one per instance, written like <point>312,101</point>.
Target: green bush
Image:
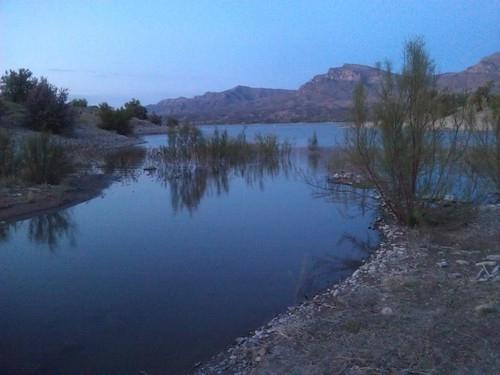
<point>44,161</point>
<point>155,119</point>
<point>135,109</point>
<point>7,155</point>
<point>15,86</point>
<point>172,122</point>
<point>114,119</point>
<point>80,103</point>
<point>47,109</point>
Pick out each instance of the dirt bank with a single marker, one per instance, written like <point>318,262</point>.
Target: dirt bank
<point>20,202</point>
<point>427,302</point>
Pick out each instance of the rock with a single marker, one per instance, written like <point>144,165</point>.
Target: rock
<point>486,308</point>
<point>462,262</point>
<point>493,257</point>
<point>486,264</point>
<point>442,264</point>
<point>454,275</point>
<point>387,311</point>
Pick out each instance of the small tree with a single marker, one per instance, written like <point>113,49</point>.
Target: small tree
<point>80,103</point>
<point>485,152</point>
<point>155,119</point>
<point>408,155</point>
<point>7,154</point>
<point>15,86</point>
<point>172,122</point>
<point>47,109</point>
<point>114,119</point>
<point>135,109</point>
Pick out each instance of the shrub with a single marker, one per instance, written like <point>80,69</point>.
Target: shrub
<point>155,119</point>
<point>114,119</point>
<point>44,161</point>
<point>135,109</point>
<point>172,122</point>
<point>15,86</point>
<point>47,109</point>
<point>7,155</point>
<point>408,155</point>
<point>80,103</point>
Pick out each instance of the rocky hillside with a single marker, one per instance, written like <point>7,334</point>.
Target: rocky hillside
<point>488,69</point>
<point>326,97</point>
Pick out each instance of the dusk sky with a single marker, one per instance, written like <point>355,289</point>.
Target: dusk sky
<point>114,50</point>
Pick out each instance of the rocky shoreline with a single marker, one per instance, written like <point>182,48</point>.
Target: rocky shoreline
<point>392,315</point>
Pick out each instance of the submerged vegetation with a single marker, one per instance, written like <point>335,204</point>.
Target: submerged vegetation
<point>192,163</point>
<point>187,145</point>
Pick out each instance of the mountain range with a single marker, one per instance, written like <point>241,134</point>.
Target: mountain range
<point>326,97</point>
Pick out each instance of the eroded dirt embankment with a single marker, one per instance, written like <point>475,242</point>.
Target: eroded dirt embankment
<point>427,302</point>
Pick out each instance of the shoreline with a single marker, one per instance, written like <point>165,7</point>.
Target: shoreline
<point>420,276</point>
<point>27,202</point>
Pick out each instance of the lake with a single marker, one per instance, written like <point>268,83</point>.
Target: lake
<point>161,272</point>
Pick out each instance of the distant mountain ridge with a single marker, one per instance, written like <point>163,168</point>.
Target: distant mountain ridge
<point>326,97</point>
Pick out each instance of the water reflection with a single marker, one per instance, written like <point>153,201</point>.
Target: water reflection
<point>319,272</point>
<point>49,229</point>
<point>126,163</point>
<point>188,183</point>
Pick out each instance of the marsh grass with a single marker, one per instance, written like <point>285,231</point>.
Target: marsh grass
<point>186,144</point>
<point>43,161</point>
<point>7,155</point>
<point>193,164</point>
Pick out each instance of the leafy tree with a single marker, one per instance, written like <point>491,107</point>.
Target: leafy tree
<point>155,119</point>
<point>172,122</point>
<point>7,154</point>
<point>408,155</point>
<point>15,86</point>
<point>481,98</point>
<point>114,119</point>
<point>135,109</point>
<point>47,109</point>
<point>485,154</point>
<point>80,103</point>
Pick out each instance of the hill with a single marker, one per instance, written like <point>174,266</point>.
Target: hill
<point>326,97</point>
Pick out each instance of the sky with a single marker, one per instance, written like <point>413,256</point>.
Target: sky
<point>107,50</point>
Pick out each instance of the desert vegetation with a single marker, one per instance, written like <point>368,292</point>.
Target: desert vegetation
<point>187,144</point>
<point>118,119</point>
<point>35,160</point>
<point>416,150</point>
<point>45,105</point>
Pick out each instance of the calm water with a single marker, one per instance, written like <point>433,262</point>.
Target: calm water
<point>329,134</point>
<point>161,272</point>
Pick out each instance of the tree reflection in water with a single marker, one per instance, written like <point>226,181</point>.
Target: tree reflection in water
<point>48,229</point>
<point>51,228</point>
<point>319,272</point>
<point>126,164</point>
<point>189,182</point>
